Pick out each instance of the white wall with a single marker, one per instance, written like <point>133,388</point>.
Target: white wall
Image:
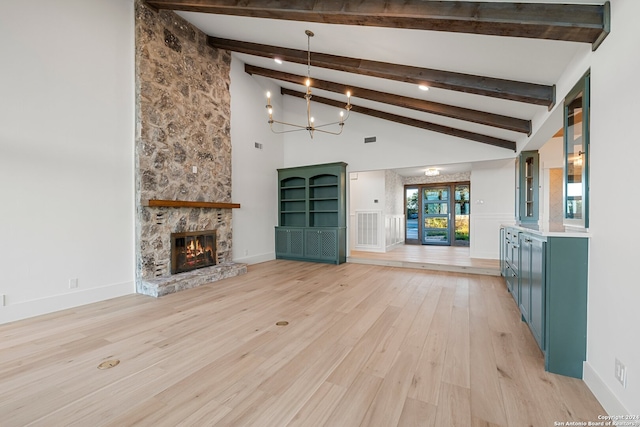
<point>551,157</point>
<point>614,290</point>
<point>254,171</point>
<point>66,153</point>
<point>492,204</point>
<point>366,193</point>
<point>397,146</point>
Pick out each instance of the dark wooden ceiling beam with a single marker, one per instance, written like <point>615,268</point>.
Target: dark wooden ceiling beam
<point>568,22</point>
<point>466,114</point>
<point>473,136</point>
<point>530,93</point>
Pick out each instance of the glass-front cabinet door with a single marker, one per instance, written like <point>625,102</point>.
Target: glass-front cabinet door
<point>528,187</point>
<point>576,155</point>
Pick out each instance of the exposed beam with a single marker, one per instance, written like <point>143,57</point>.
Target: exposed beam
<point>502,143</point>
<point>569,22</point>
<point>530,93</point>
<point>466,114</point>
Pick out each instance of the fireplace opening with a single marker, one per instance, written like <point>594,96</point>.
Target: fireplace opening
<point>195,249</point>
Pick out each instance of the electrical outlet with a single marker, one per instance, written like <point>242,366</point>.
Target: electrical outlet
<point>73,283</point>
<point>621,373</point>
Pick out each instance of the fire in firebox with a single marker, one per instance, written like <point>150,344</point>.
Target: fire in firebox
<point>192,250</point>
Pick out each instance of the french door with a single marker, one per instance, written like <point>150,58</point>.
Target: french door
<point>437,214</point>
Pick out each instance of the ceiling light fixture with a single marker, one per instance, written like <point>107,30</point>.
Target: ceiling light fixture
<point>432,172</point>
<point>310,126</point>
<point>277,61</point>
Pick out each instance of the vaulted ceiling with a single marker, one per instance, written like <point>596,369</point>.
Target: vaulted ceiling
<point>490,66</point>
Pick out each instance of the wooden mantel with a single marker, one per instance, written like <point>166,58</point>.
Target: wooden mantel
<point>187,204</point>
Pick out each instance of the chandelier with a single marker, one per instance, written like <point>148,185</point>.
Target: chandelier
<point>310,126</point>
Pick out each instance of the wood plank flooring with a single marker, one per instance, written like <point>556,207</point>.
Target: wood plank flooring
<point>441,258</point>
<point>365,346</point>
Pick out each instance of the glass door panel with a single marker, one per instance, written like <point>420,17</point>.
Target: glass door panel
<point>574,159</point>
<point>411,214</point>
<point>435,216</point>
<point>462,212</point>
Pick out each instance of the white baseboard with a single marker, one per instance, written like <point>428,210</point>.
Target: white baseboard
<point>393,246</point>
<point>602,392</point>
<point>256,259</point>
<point>24,310</point>
<point>484,255</point>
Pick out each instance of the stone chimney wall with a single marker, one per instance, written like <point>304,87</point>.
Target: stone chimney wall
<point>183,142</point>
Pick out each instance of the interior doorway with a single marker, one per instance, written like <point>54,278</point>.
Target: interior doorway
<point>438,214</point>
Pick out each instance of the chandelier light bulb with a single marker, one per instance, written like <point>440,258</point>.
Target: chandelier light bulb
<point>270,111</point>
<point>268,94</point>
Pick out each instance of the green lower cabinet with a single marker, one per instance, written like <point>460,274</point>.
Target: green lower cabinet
<point>513,283</point>
<point>510,253</point>
<point>549,284</point>
<point>565,299</point>
<point>525,276</point>
<point>311,244</point>
<point>536,315</point>
<point>532,284</point>
<point>289,243</point>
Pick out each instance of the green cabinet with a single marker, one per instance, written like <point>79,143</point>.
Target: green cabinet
<point>565,304</point>
<point>325,244</point>
<point>537,280</point>
<point>312,213</point>
<point>532,279</point>
<point>547,277</point>
<point>576,155</point>
<point>510,251</point>
<point>527,194</point>
<point>290,242</point>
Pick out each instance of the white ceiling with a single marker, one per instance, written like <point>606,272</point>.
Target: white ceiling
<point>528,60</point>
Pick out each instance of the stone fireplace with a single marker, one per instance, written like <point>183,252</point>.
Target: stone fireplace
<point>183,151</point>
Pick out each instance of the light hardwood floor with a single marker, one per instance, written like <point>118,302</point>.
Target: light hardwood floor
<point>442,258</point>
<point>365,345</point>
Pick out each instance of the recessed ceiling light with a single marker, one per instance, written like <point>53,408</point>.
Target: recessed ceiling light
<point>423,87</point>
<point>278,60</point>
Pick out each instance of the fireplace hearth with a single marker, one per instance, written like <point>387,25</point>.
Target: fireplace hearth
<point>192,250</point>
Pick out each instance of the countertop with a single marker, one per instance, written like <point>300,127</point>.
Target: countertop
<point>550,230</point>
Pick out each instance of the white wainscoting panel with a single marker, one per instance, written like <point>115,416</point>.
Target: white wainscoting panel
<point>394,230</point>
